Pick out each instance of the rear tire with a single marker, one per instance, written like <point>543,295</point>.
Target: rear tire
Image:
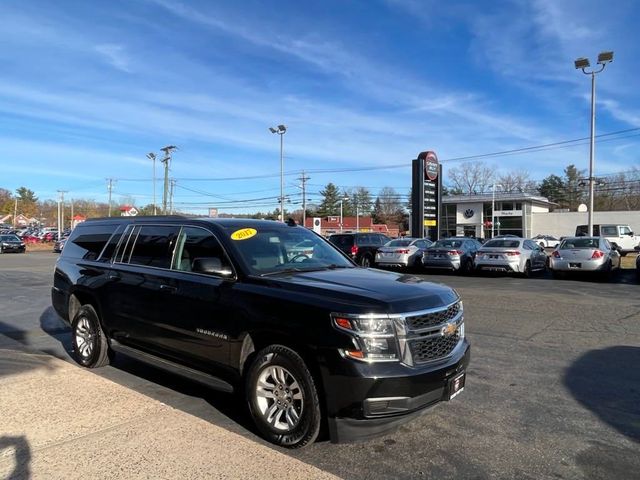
<point>283,398</point>
<point>527,269</point>
<point>90,346</point>
<point>366,261</point>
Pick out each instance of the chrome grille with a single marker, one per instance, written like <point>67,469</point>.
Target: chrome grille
<point>427,320</point>
<point>433,348</point>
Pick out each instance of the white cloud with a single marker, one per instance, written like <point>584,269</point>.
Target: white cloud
<point>115,55</point>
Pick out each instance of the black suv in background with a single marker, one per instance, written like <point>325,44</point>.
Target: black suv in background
<point>306,335</point>
<point>361,247</point>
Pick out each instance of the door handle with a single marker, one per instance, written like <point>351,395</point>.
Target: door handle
<point>114,277</point>
<point>168,288</point>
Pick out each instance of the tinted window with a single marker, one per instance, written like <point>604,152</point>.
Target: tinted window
<point>87,241</point>
<point>9,238</point>
<point>154,246</point>
<point>399,243</point>
<point>195,243</point>
<point>580,243</point>
<point>111,245</point>
<point>341,240</point>
<point>447,244</point>
<point>502,244</point>
<point>609,231</point>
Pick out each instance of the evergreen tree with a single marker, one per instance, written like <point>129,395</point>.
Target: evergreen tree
<point>330,204</point>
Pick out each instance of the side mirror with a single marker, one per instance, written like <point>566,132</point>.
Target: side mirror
<point>630,234</point>
<point>210,266</point>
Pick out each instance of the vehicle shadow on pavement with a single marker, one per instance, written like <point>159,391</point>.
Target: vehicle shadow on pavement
<point>156,383</point>
<point>22,454</point>
<point>607,383</point>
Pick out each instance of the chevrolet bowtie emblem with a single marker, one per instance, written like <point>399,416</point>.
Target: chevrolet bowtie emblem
<point>448,330</point>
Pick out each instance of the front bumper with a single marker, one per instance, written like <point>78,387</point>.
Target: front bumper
<point>13,248</point>
<point>364,400</point>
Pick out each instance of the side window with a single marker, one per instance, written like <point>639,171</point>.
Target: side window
<point>197,243</point>
<point>609,231</point>
<point>625,231</point>
<point>606,243</point>
<point>154,246</point>
<point>110,248</point>
<point>527,245</point>
<point>421,244</point>
<point>88,241</point>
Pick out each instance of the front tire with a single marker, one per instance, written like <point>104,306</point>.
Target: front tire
<point>282,397</point>
<point>90,346</point>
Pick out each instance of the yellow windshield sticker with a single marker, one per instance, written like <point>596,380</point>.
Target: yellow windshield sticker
<point>243,234</point>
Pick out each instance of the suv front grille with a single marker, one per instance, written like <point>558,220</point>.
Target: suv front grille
<point>433,348</point>
<point>427,320</point>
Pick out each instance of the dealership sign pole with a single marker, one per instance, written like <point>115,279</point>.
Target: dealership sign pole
<point>426,196</point>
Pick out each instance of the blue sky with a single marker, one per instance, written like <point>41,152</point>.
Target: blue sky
<point>88,88</point>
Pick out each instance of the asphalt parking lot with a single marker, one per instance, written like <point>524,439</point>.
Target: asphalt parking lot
<point>553,390</point>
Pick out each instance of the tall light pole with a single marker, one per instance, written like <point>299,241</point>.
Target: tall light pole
<point>583,64</point>
<point>281,130</point>
<point>341,201</point>
<point>493,208</point>
<point>167,161</point>
<point>152,157</point>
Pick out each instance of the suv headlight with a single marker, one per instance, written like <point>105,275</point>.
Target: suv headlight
<point>374,336</point>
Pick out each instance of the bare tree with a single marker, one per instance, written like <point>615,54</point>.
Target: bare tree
<point>472,177</point>
<point>516,181</point>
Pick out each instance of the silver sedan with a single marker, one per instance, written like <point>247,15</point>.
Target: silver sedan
<point>584,254</point>
<point>515,254</point>
<point>402,252</point>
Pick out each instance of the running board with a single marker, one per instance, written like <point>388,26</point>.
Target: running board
<point>172,367</point>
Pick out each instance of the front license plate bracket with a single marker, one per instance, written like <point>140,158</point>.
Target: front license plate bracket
<point>456,385</point>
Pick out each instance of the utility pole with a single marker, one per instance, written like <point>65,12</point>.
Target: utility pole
<point>304,179</point>
<point>109,188</point>
<point>61,211</point>
<point>152,156</point>
<point>173,184</point>
<point>167,161</point>
<point>15,213</point>
<point>71,219</point>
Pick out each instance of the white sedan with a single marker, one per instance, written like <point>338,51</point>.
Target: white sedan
<point>546,241</point>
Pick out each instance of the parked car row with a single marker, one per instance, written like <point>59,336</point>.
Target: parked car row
<point>465,255</point>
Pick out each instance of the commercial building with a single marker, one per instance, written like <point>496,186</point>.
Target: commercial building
<point>519,214</point>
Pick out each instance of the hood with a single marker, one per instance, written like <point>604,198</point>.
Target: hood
<point>360,289</point>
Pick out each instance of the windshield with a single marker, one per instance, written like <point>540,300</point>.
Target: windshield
<point>502,244</point>
<point>447,244</point>
<point>580,243</point>
<point>398,243</point>
<point>274,249</point>
<point>9,238</point>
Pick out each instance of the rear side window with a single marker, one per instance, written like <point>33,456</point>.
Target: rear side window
<point>154,246</point>
<point>87,241</point>
<point>342,240</point>
<point>609,231</point>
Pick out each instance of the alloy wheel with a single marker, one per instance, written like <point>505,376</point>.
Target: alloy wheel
<point>279,398</point>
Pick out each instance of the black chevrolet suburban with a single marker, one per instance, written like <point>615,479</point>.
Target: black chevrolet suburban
<point>305,335</point>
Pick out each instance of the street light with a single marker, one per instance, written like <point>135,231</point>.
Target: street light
<point>281,130</point>
<point>583,64</point>
<point>152,157</point>
<point>342,200</point>
<point>493,208</point>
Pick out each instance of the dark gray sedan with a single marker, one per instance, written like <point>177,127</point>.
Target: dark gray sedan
<point>11,243</point>
<point>455,254</point>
